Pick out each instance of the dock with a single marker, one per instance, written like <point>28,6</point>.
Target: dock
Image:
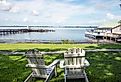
<point>17,31</point>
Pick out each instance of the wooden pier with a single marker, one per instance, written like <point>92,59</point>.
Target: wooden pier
<point>17,31</point>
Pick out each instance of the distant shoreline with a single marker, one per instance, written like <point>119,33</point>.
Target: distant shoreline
<point>29,26</point>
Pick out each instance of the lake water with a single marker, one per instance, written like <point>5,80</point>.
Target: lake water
<point>76,34</point>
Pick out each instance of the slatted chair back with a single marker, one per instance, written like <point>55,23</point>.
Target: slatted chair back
<point>74,64</point>
<point>74,57</point>
<point>35,57</point>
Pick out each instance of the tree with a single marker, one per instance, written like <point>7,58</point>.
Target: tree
<point>119,22</point>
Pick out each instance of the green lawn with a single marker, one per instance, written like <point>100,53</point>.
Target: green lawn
<point>24,46</point>
<point>12,68</point>
<point>105,66</point>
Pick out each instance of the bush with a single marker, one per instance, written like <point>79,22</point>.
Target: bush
<point>67,42</point>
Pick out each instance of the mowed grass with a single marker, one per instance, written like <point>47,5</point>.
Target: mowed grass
<point>104,67</point>
<point>12,68</point>
<point>24,46</point>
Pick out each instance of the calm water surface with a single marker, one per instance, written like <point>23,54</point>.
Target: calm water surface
<point>76,34</point>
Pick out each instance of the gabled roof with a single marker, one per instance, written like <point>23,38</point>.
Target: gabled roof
<point>116,33</point>
<point>104,28</point>
<point>116,26</point>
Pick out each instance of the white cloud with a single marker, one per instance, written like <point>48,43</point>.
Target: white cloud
<point>46,11</point>
<point>60,13</point>
<point>14,9</point>
<point>111,16</point>
<point>35,13</point>
<point>56,12</point>
<point>5,6</point>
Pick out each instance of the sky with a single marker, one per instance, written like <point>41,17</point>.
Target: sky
<point>60,12</point>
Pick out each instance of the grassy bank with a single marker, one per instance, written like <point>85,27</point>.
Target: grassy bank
<point>24,46</point>
<point>104,67</point>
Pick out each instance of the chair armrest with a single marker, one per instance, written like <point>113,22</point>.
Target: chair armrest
<point>72,66</point>
<point>85,64</point>
<point>62,64</point>
<point>50,74</point>
<point>37,66</point>
<point>55,62</point>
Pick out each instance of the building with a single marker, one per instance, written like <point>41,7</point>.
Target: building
<point>105,33</point>
<point>114,34</point>
<point>97,33</point>
<point>116,30</point>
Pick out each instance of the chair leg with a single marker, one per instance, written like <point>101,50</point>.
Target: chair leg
<point>56,71</point>
<point>65,71</point>
<point>65,78</point>
<point>86,79</point>
<point>29,78</point>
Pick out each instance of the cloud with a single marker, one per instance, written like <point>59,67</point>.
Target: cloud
<point>14,9</point>
<point>59,12</point>
<point>104,5</point>
<point>35,13</point>
<point>112,16</point>
<point>54,12</point>
<point>5,6</point>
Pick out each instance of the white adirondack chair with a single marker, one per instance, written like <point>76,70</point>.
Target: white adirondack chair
<point>74,64</point>
<point>39,69</point>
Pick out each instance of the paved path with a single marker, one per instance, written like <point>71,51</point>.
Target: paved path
<point>60,52</point>
<point>96,50</point>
